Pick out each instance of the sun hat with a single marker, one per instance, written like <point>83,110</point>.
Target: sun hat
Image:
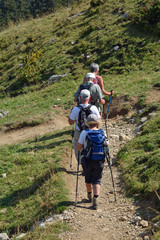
<point>90,75</point>
<point>92,119</point>
<point>85,94</point>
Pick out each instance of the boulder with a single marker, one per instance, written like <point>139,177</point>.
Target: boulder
<point>3,236</point>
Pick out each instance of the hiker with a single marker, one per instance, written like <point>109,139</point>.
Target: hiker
<point>95,91</point>
<point>75,116</point>
<point>94,68</point>
<point>93,156</point>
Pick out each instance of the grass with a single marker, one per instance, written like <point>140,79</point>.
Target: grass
<point>34,187</point>
<point>30,45</point>
<point>139,161</point>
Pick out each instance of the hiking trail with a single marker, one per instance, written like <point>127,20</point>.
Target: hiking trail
<point>113,220</point>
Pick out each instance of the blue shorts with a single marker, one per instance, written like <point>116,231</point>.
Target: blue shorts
<point>92,170</point>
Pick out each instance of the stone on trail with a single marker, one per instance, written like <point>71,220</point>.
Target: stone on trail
<point>143,223</point>
<point>137,219</point>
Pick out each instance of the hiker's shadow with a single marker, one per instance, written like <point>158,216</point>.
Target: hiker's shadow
<point>78,204</point>
<point>73,172</point>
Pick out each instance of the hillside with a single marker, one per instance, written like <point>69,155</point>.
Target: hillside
<point>117,36</point>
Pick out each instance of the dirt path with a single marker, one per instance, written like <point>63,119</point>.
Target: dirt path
<point>31,132</point>
<point>113,220</point>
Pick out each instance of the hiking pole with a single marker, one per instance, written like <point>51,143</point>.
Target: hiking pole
<point>72,146</point>
<point>109,164</point>
<point>77,177</point>
<point>108,111</point>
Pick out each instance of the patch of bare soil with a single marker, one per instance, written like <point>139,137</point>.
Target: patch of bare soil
<point>153,96</point>
<point>113,220</point>
<point>16,136</point>
<point>120,106</point>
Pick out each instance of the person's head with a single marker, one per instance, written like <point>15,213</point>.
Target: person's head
<point>90,76</point>
<point>85,95</point>
<point>94,67</point>
<point>93,121</point>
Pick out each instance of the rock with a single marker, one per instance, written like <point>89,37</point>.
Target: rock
<point>105,229</point>
<point>5,113</point>
<point>4,210</point>
<point>1,115</point>
<point>116,48</point>
<point>146,238</point>
<point>137,219</point>
<point>3,236</point>
<point>20,65</point>
<point>140,111</point>
<point>115,137</point>
<point>42,225</point>
<point>125,15</point>
<point>55,78</point>
<point>49,219</point>
<point>143,120</point>
<point>123,138</point>
<point>65,212</point>
<point>21,235</point>
<point>4,175</point>
<point>137,130</point>
<point>150,115</point>
<point>156,226</point>
<point>123,218</point>
<point>143,223</point>
<point>58,217</point>
<point>75,15</point>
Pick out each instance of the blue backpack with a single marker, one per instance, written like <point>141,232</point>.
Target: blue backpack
<point>96,145</point>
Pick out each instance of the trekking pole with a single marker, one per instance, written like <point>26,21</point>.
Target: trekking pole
<point>77,177</point>
<point>72,146</point>
<point>108,111</point>
<point>109,164</point>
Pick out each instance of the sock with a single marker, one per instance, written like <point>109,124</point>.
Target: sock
<point>95,196</point>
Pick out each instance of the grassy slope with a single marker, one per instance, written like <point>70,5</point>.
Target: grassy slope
<point>132,70</point>
<point>34,187</point>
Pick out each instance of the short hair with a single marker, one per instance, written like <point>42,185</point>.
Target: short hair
<point>94,67</point>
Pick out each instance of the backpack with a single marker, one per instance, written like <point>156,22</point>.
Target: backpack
<point>83,114</point>
<point>96,145</point>
<point>82,87</point>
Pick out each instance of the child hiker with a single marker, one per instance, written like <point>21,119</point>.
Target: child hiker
<point>93,142</point>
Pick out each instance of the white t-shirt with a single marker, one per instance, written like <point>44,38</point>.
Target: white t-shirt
<point>75,112</point>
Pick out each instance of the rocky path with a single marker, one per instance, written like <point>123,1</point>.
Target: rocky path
<point>113,220</point>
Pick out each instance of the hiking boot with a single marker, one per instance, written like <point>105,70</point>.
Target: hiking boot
<point>89,195</point>
<point>95,204</point>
